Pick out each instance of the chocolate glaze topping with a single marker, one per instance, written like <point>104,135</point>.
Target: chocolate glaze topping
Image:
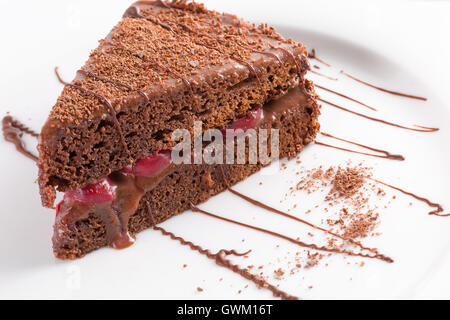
<point>423,129</point>
<point>268,208</point>
<point>387,155</point>
<point>438,207</point>
<point>324,75</point>
<point>156,63</point>
<point>13,131</point>
<point>344,96</point>
<point>220,260</point>
<point>382,89</point>
<point>134,12</point>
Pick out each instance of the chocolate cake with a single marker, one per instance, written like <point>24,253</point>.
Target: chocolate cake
<point>108,140</point>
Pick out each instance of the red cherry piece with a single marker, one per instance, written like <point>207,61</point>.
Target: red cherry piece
<point>151,165</point>
<point>58,207</point>
<point>93,193</point>
<point>247,122</point>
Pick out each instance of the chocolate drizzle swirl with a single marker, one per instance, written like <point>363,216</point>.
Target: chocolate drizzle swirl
<point>438,207</point>
<point>13,131</point>
<point>292,240</point>
<point>423,129</point>
<point>312,55</point>
<point>268,208</point>
<point>387,155</point>
<point>220,260</point>
<point>323,75</point>
<point>344,96</point>
<point>382,89</point>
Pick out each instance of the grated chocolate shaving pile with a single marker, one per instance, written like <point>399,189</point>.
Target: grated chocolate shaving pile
<point>348,189</point>
<point>347,181</point>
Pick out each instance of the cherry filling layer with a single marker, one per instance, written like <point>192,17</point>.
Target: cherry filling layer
<point>93,193</point>
<point>250,121</point>
<point>115,199</point>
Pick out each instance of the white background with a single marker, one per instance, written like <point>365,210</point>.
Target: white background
<point>412,36</point>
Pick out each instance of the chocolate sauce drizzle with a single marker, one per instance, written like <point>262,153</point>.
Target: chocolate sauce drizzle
<point>220,260</point>
<point>323,75</point>
<point>13,131</point>
<point>344,96</point>
<point>105,101</point>
<point>270,54</point>
<point>312,55</point>
<point>292,240</point>
<point>382,89</point>
<point>423,129</point>
<point>268,208</point>
<point>438,207</point>
<point>249,67</point>
<point>299,69</point>
<point>387,155</point>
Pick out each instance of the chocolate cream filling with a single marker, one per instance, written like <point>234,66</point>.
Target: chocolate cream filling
<point>121,192</point>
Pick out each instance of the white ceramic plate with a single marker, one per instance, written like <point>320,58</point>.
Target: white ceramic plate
<point>350,36</point>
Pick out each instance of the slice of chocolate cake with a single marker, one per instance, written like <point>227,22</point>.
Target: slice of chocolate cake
<point>108,140</point>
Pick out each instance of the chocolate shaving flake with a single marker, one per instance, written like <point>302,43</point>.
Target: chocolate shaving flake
<point>348,181</point>
<point>349,191</point>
